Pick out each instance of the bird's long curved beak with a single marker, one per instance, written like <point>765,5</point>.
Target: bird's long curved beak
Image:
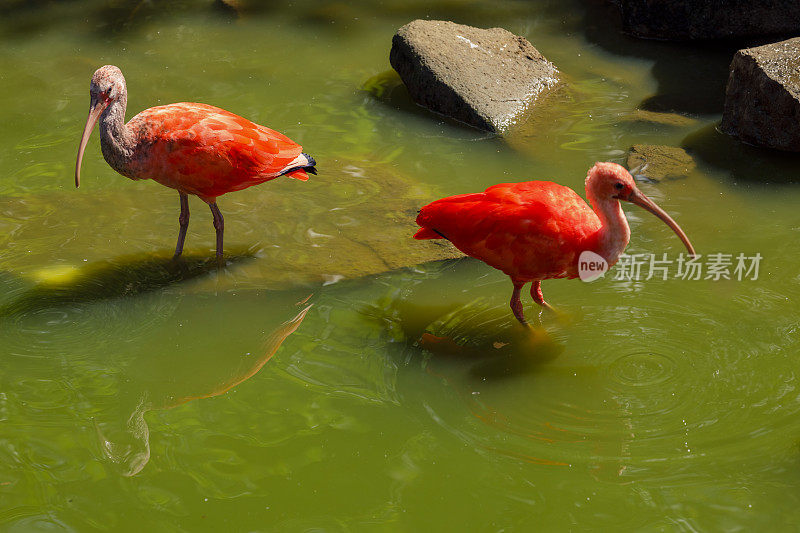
<point>94,115</point>
<point>638,198</point>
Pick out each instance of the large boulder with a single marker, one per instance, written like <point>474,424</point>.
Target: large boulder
<point>762,100</point>
<point>683,20</point>
<point>484,77</point>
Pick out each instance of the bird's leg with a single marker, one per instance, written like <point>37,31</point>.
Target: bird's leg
<point>219,225</point>
<point>516,303</point>
<point>183,220</point>
<point>538,297</point>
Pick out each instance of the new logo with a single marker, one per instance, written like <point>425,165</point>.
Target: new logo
<point>591,266</point>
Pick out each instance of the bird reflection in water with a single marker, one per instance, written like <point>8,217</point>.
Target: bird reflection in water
<point>114,278</point>
<point>214,377</point>
<point>476,332</point>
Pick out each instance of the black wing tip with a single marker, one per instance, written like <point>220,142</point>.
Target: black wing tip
<point>311,161</point>
<point>311,167</point>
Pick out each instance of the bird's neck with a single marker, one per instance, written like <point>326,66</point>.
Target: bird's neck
<point>615,232</point>
<point>116,141</point>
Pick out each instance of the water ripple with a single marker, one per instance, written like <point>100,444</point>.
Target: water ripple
<point>631,397</point>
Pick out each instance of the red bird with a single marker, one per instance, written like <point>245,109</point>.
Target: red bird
<point>537,230</point>
<point>194,148</point>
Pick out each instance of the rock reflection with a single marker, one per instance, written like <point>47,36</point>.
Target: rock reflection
<point>742,161</point>
<point>387,88</point>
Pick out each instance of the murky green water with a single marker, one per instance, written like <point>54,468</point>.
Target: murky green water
<point>313,385</point>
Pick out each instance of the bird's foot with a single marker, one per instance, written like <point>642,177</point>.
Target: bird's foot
<point>519,315</point>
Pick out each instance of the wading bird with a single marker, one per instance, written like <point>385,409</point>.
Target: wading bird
<point>194,148</point>
<point>537,230</point>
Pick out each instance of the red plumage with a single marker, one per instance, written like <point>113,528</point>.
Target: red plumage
<point>533,230</point>
<point>206,151</point>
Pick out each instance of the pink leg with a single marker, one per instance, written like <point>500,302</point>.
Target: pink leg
<point>183,220</point>
<point>516,303</point>
<point>538,297</point>
<point>219,225</point>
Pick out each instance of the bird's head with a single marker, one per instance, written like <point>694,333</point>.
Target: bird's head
<point>610,181</point>
<point>107,86</point>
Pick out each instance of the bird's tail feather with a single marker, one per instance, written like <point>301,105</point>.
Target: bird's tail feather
<point>301,167</point>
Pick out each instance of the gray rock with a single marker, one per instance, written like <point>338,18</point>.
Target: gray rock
<point>484,77</point>
<point>658,162</point>
<point>762,100</point>
<point>683,20</point>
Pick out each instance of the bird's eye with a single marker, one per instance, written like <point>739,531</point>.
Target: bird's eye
<point>619,186</point>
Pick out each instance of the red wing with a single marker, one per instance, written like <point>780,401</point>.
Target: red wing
<point>208,151</point>
<point>514,227</point>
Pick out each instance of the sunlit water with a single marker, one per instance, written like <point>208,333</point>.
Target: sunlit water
<point>289,392</point>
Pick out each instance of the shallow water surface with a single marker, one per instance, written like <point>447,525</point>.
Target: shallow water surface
<point>315,383</point>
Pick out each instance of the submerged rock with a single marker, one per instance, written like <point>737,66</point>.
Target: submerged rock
<point>683,20</point>
<point>656,117</point>
<point>478,333</point>
<point>657,162</point>
<point>762,100</point>
<point>354,220</point>
<point>484,77</point>
<point>232,7</point>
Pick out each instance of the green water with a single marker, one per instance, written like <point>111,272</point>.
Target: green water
<point>295,390</point>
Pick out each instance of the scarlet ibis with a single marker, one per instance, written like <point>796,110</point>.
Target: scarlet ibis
<point>537,230</point>
<point>194,148</point>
